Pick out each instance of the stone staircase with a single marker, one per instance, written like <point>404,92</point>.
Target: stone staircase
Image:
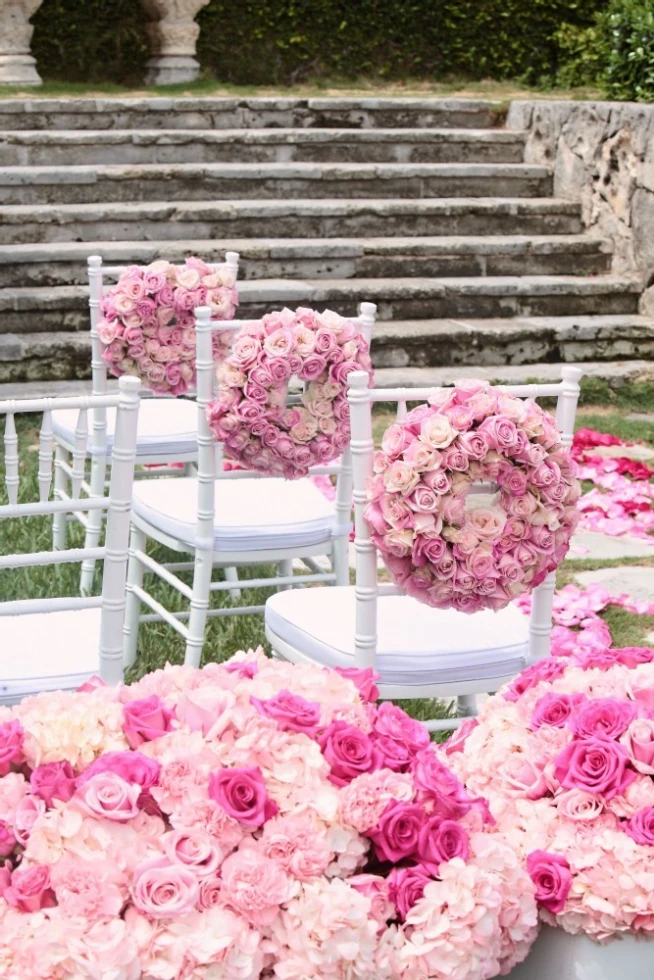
<point>422,206</point>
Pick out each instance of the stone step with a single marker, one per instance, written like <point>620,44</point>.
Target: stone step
<point>79,146</point>
<point>64,263</point>
<point>515,341</point>
<point>64,308</point>
<point>424,345</point>
<point>224,181</point>
<point>163,221</point>
<point>616,374</point>
<point>238,113</point>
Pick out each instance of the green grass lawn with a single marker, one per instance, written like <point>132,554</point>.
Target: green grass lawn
<point>159,644</point>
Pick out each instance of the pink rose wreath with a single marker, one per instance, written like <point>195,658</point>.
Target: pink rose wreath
<point>250,416</point>
<point>443,543</point>
<point>148,326</point>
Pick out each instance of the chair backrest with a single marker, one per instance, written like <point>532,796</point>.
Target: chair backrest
<point>117,505</point>
<point>361,399</point>
<point>209,451</point>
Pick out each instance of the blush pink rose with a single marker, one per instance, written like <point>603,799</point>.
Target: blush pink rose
<point>11,745</point>
<point>552,876</point>
<point>639,743</point>
<point>457,741</point>
<point>349,752</point>
<point>440,841</point>
<point>595,765</point>
<point>376,889</point>
<point>242,794</point>
<point>195,849</point>
<point>145,720</point>
<point>30,889</point>
<point>604,718</point>
<point>107,795</point>
<point>27,812</point>
<point>397,834</point>
<point>53,781</point>
<point>163,890</point>
<point>523,776</point>
<point>133,767</point>
<point>406,887</point>
<point>291,712</point>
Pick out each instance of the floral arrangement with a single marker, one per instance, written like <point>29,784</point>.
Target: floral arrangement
<point>565,756</point>
<point>252,819</point>
<point>250,416</point>
<point>448,546</point>
<point>148,326</point>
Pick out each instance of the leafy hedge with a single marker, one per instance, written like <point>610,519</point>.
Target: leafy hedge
<point>273,42</point>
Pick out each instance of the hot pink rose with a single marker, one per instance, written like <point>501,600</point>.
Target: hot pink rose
<point>107,795</point>
<point>363,679</point>
<point>133,767</point>
<point>164,890</point>
<point>30,889</point>
<point>242,794</point>
<point>440,841</point>
<point>641,827</point>
<point>546,669</point>
<point>7,840</point>
<point>349,752</point>
<point>145,720</point>
<point>11,745</point>
<point>392,723</point>
<point>439,786</point>
<point>604,718</point>
<point>456,742</point>
<point>54,780</point>
<point>406,887</point>
<point>291,712</point>
<point>555,710</point>
<point>596,765</point>
<point>552,876</point>
<point>397,834</point>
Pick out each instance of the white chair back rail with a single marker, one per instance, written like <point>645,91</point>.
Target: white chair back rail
<point>361,399</point>
<point>117,505</point>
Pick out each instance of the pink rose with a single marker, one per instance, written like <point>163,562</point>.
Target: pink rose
<point>440,841</point>
<point>145,720</point>
<point>163,890</point>
<point>547,669</point>
<point>7,840</point>
<point>30,889</point>
<point>552,876</point>
<point>391,722</point>
<point>363,679</point>
<point>555,710</point>
<point>641,827</point>
<point>523,776</point>
<point>596,765</point>
<point>349,752</point>
<point>639,743</point>
<point>11,745</point>
<point>457,741</point>
<point>195,849</point>
<point>577,805</point>
<point>242,794</point>
<point>27,812</point>
<point>406,887</point>
<point>54,780</point>
<point>423,500</point>
<point>397,833</point>
<point>500,432</point>
<point>455,459</point>
<point>5,878</point>
<point>254,886</point>
<point>291,712</point>
<point>473,444</point>
<point>439,786</point>
<point>210,892</point>
<point>604,718</point>
<point>107,795</point>
<point>486,522</point>
<point>132,767</point>
<point>377,890</point>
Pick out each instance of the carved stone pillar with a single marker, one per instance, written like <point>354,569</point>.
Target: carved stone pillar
<point>173,36</point>
<point>17,66</point>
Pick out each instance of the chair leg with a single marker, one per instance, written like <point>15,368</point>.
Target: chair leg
<point>284,569</point>
<point>199,606</point>
<point>231,575</point>
<point>341,560</point>
<point>466,705</point>
<point>60,488</point>
<point>94,525</point>
<point>137,541</point>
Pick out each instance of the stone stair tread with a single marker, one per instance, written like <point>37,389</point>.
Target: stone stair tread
<point>585,326</point>
<point>126,251</point>
<point>184,103</point>
<point>322,290</point>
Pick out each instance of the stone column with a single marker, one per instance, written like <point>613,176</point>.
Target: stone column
<point>173,36</point>
<point>17,66</point>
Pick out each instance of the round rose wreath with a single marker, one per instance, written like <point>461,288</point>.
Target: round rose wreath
<point>250,416</point>
<point>447,547</point>
<point>148,326</point>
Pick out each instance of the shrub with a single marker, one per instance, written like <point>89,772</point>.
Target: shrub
<point>582,54</point>
<point>628,27</point>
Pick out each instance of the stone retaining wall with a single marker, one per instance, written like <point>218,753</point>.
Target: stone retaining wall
<point>602,154</point>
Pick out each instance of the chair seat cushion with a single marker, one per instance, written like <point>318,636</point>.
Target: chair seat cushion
<point>251,515</point>
<point>417,645</point>
<point>165,426</point>
<point>49,651</point>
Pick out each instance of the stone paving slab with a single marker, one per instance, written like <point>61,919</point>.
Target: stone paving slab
<point>593,545</point>
<point>637,581</point>
<point>631,452</point>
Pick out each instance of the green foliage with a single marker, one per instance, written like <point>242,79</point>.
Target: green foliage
<point>628,27</point>
<point>582,55</point>
<point>265,42</point>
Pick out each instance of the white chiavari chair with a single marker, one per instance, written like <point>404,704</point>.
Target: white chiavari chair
<point>167,431</point>
<point>420,652</point>
<point>234,518</point>
<point>58,643</point>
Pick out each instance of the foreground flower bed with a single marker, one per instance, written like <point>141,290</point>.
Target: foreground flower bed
<point>252,819</point>
<point>565,756</point>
